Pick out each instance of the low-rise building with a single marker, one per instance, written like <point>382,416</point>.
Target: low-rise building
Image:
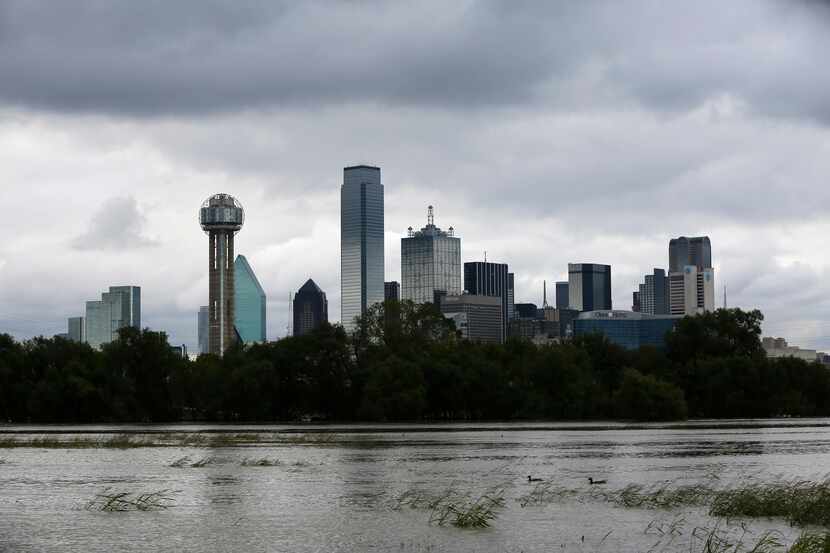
<point>778,347</point>
<point>478,318</point>
<point>626,328</point>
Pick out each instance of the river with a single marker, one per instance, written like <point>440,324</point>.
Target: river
<point>367,488</point>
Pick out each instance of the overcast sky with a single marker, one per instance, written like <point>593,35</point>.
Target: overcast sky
<point>544,132</point>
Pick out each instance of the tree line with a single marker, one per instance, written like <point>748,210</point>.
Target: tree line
<point>407,362</point>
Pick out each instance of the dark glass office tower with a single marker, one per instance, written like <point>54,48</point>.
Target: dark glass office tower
<point>483,278</point>
<point>361,242</point>
<point>562,299</point>
<point>685,251</point>
<point>589,286</point>
<point>392,291</point>
<point>311,308</point>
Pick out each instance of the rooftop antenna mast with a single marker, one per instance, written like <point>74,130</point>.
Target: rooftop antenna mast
<point>430,216</point>
<point>544,293</point>
<point>485,256</point>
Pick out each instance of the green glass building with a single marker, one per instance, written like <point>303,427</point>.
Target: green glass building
<point>249,313</point>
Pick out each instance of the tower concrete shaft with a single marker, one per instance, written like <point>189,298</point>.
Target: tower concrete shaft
<point>221,217</point>
<point>221,291</point>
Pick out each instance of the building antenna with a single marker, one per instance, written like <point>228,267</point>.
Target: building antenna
<point>485,256</point>
<point>430,216</point>
<point>544,293</point>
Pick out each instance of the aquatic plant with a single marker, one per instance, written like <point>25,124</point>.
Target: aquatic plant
<point>801,503</point>
<point>661,496</point>
<point>116,501</point>
<point>180,462</point>
<point>310,438</point>
<point>203,462</point>
<point>811,543</point>
<point>466,513</point>
<point>545,492</point>
<point>263,462</point>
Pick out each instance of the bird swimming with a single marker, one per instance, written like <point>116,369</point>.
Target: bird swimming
<point>592,481</point>
<point>531,479</point>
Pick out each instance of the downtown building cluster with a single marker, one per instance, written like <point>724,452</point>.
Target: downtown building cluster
<point>479,296</point>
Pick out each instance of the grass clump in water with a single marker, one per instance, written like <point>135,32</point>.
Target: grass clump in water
<point>663,496</point>
<point>802,503</point>
<point>263,462</point>
<point>811,543</point>
<point>544,493</point>
<point>183,462</point>
<point>115,501</point>
<point>454,508</point>
<point>466,513</point>
<point>311,438</point>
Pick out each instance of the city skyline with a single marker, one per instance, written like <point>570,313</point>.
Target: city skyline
<point>603,150</point>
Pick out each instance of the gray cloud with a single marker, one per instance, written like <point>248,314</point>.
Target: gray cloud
<point>545,133</point>
<point>156,58</point>
<point>117,226</point>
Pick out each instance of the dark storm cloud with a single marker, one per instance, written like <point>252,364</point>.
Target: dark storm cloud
<point>159,57</point>
<point>117,226</point>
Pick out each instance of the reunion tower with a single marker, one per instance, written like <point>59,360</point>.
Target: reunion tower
<point>221,217</point>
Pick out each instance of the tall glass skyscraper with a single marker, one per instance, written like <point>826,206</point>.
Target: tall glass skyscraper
<point>311,308</point>
<point>685,251</point>
<point>361,242</point>
<point>430,263</point>
<point>119,307</point>
<point>203,328</point>
<point>589,286</point>
<point>249,312</point>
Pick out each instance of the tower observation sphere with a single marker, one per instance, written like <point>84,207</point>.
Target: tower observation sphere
<point>221,217</point>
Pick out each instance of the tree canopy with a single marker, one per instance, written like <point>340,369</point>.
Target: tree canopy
<point>407,362</point>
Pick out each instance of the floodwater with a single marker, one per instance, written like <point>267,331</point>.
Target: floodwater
<point>343,493</point>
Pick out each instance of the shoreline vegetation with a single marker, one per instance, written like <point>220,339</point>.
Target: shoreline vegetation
<point>406,362</point>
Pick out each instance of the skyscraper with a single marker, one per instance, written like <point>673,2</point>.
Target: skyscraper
<point>221,217</point>
<point>119,307</point>
<point>430,263</point>
<point>361,242</point>
<point>692,291</point>
<point>685,251</point>
<point>203,328</point>
<point>562,299</point>
<point>249,312</point>
<point>511,297</point>
<point>654,293</point>
<point>392,291</point>
<point>311,308</point>
<point>589,286</point>
<point>75,329</point>
<point>691,276</point>
<point>483,278</point>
